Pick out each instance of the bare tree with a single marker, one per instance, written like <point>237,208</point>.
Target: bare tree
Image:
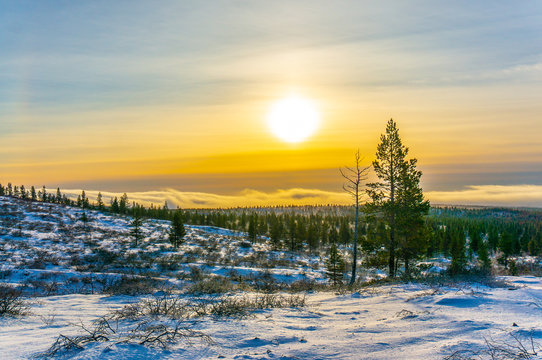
<point>354,177</point>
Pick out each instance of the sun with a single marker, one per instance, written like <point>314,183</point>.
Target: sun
<point>293,119</point>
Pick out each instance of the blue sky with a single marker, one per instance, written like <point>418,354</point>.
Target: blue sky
<point>84,85</point>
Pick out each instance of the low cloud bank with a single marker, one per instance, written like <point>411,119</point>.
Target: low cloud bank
<point>246,197</point>
<point>493,195</point>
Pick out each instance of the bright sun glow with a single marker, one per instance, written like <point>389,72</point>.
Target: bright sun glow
<point>293,119</point>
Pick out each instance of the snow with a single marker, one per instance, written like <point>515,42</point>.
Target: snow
<point>401,321</point>
<point>408,321</point>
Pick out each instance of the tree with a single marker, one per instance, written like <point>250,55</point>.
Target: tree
<point>115,205</point>
<point>335,265</point>
<point>483,257</point>
<point>85,219</point>
<point>397,189</point>
<point>275,231</point>
<point>292,231</point>
<point>58,197</point>
<point>353,186</point>
<point>459,258</point>
<point>252,233</point>
<point>177,230</point>
<point>100,202</point>
<point>24,194</point>
<point>410,218</point>
<point>43,194</point>
<point>33,195</point>
<point>123,203</point>
<point>136,223</point>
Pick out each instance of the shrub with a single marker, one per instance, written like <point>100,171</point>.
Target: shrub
<point>132,285</point>
<point>212,285</point>
<point>11,301</point>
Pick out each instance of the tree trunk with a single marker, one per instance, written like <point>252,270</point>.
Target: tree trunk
<point>355,253</point>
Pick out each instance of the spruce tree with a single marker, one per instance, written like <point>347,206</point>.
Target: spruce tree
<point>459,258</point>
<point>483,257</point>
<point>58,197</point>
<point>123,204</point>
<point>397,186</point>
<point>335,265</point>
<point>177,230</point>
<point>252,228</point>
<point>24,194</point>
<point>100,202</point>
<point>136,224</point>
<point>411,230</point>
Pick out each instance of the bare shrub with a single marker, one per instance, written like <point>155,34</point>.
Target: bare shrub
<point>212,285</point>
<point>12,302</point>
<point>132,285</point>
<point>146,332</point>
<point>514,347</point>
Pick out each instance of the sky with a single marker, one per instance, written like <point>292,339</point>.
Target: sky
<point>168,100</point>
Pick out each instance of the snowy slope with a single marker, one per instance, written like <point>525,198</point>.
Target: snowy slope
<point>64,266</point>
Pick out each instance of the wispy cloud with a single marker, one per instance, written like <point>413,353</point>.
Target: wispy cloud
<point>498,195</point>
<point>493,195</point>
<point>248,197</point>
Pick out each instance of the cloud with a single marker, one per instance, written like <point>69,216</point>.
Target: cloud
<point>492,195</point>
<point>497,195</point>
<point>247,197</point>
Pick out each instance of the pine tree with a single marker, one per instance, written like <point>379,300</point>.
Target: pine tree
<point>24,194</point>
<point>335,265</point>
<point>459,258</point>
<point>58,196</point>
<point>123,203</point>
<point>115,205</point>
<point>252,228</point>
<point>33,195</point>
<point>397,179</point>
<point>292,232</point>
<point>136,224</point>
<point>275,231</point>
<point>483,257</point>
<point>177,230</point>
<point>100,202</point>
<point>43,196</point>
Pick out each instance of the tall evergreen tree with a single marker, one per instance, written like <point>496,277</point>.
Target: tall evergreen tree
<point>483,257</point>
<point>252,232</point>
<point>100,202</point>
<point>335,265</point>
<point>43,196</point>
<point>459,258</point>
<point>397,178</point>
<point>177,230</point>
<point>24,193</point>
<point>136,224</point>
<point>123,204</point>
<point>58,196</point>
<point>412,206</point>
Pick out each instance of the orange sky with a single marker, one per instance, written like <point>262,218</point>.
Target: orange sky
<point>101,105</point>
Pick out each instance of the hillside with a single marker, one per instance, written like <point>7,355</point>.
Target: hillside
<point>220,296</point>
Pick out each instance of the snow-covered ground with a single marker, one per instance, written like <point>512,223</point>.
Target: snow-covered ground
<point>409,321</point>
<point>70,272</point>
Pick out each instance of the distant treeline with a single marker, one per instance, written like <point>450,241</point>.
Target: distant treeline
<point>450,231</point>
